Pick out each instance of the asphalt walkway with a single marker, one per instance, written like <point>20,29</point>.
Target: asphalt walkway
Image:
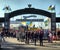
<point>12,43</point>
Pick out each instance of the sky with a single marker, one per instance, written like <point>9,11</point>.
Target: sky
<point>21,4</point>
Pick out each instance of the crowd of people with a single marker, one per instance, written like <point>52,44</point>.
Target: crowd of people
<point>28,35</point>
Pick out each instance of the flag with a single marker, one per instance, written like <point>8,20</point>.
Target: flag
<point>7,8</point>
<point>23,23</point>
<point>46,22</point>
<point>51,7</point>
<point>29,23</point>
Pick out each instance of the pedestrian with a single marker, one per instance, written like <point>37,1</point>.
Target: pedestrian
<point>2,35</point>
<point>35,37</point>
<point>41,34</point>
<point>50,37</point>
<point>32,36</point>
<point>17,35</point>
<point>28,37</point>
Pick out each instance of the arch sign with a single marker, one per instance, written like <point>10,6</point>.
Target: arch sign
<point>33,11</point>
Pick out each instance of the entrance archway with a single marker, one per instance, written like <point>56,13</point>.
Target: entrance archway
<point>31,11</point>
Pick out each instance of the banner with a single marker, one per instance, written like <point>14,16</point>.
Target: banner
<point>46,22</point>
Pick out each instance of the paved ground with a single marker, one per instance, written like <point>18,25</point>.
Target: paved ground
<point>12,43</point>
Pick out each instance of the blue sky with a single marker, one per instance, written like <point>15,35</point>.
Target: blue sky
<point>20,4</point>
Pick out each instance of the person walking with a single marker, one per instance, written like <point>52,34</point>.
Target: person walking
<point>35,37</point>
<point>41,34</point>
<point>50,37</point>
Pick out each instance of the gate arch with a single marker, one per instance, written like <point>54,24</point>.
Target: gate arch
<point>30,11</point>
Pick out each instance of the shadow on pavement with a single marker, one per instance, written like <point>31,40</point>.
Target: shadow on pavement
<point>14,46</point>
